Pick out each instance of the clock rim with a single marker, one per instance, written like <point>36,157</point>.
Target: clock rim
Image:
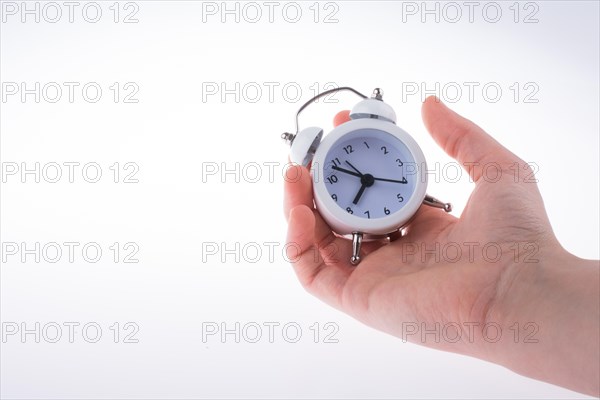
<point>339,220</point>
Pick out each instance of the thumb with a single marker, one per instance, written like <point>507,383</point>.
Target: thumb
<point>463,140</point>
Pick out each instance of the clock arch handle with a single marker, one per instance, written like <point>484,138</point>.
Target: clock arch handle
<point>325,93</point>
<point>289,137</point>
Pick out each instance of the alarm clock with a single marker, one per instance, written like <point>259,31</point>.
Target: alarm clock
<point>369,175</point>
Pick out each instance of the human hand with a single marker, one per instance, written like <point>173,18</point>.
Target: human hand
<point>496,257</point>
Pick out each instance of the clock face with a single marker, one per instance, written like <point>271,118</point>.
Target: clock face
<point>370,173</point>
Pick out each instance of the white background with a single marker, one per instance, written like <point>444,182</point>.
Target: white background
<point>176,131</point>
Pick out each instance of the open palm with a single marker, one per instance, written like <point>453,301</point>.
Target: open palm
<point>443,270</point>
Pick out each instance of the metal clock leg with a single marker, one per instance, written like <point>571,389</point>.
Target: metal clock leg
<point>356,243</point>
<point>433,202</point>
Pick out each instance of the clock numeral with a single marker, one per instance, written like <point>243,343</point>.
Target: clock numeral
<point>368,214</point>
<point>386,211</point>
<point>384,149</point>
<point>400,198</point>
<point>367,144</point>
<point>348,149</point>
<point>334,196</point>
<point>349,210</point>
<point>332,179</point>
<point>336,161</point>
<point>399,161</point>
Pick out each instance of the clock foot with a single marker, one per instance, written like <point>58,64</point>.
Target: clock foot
<point>356,243</point>
<point>433,202</point>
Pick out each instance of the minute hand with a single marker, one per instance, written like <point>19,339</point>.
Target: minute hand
<point>346,171</point>
<point>391,180</point>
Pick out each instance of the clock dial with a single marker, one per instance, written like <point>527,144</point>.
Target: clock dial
<point>370,173</point>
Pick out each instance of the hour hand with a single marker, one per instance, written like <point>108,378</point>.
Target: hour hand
<point>359,194</point>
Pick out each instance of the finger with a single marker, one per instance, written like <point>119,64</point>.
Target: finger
<point>325,280</point>
<point>297,179</point>
<point>297,188</point>
<point>341,117</point>
<point>298,192</point>
<point>463,140</point>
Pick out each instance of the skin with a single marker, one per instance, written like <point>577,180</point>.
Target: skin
<point>532,307</point>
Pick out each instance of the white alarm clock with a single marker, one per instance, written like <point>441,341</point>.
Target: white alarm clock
<point>368,174</point>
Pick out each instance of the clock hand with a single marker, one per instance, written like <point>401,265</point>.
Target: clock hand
<point>366,181</point>
<point>359,194</point>
<point>353,167</point>
<point>391,180</point>
<point>346,171</point>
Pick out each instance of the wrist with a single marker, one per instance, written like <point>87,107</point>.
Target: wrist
<point>548,313</point>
